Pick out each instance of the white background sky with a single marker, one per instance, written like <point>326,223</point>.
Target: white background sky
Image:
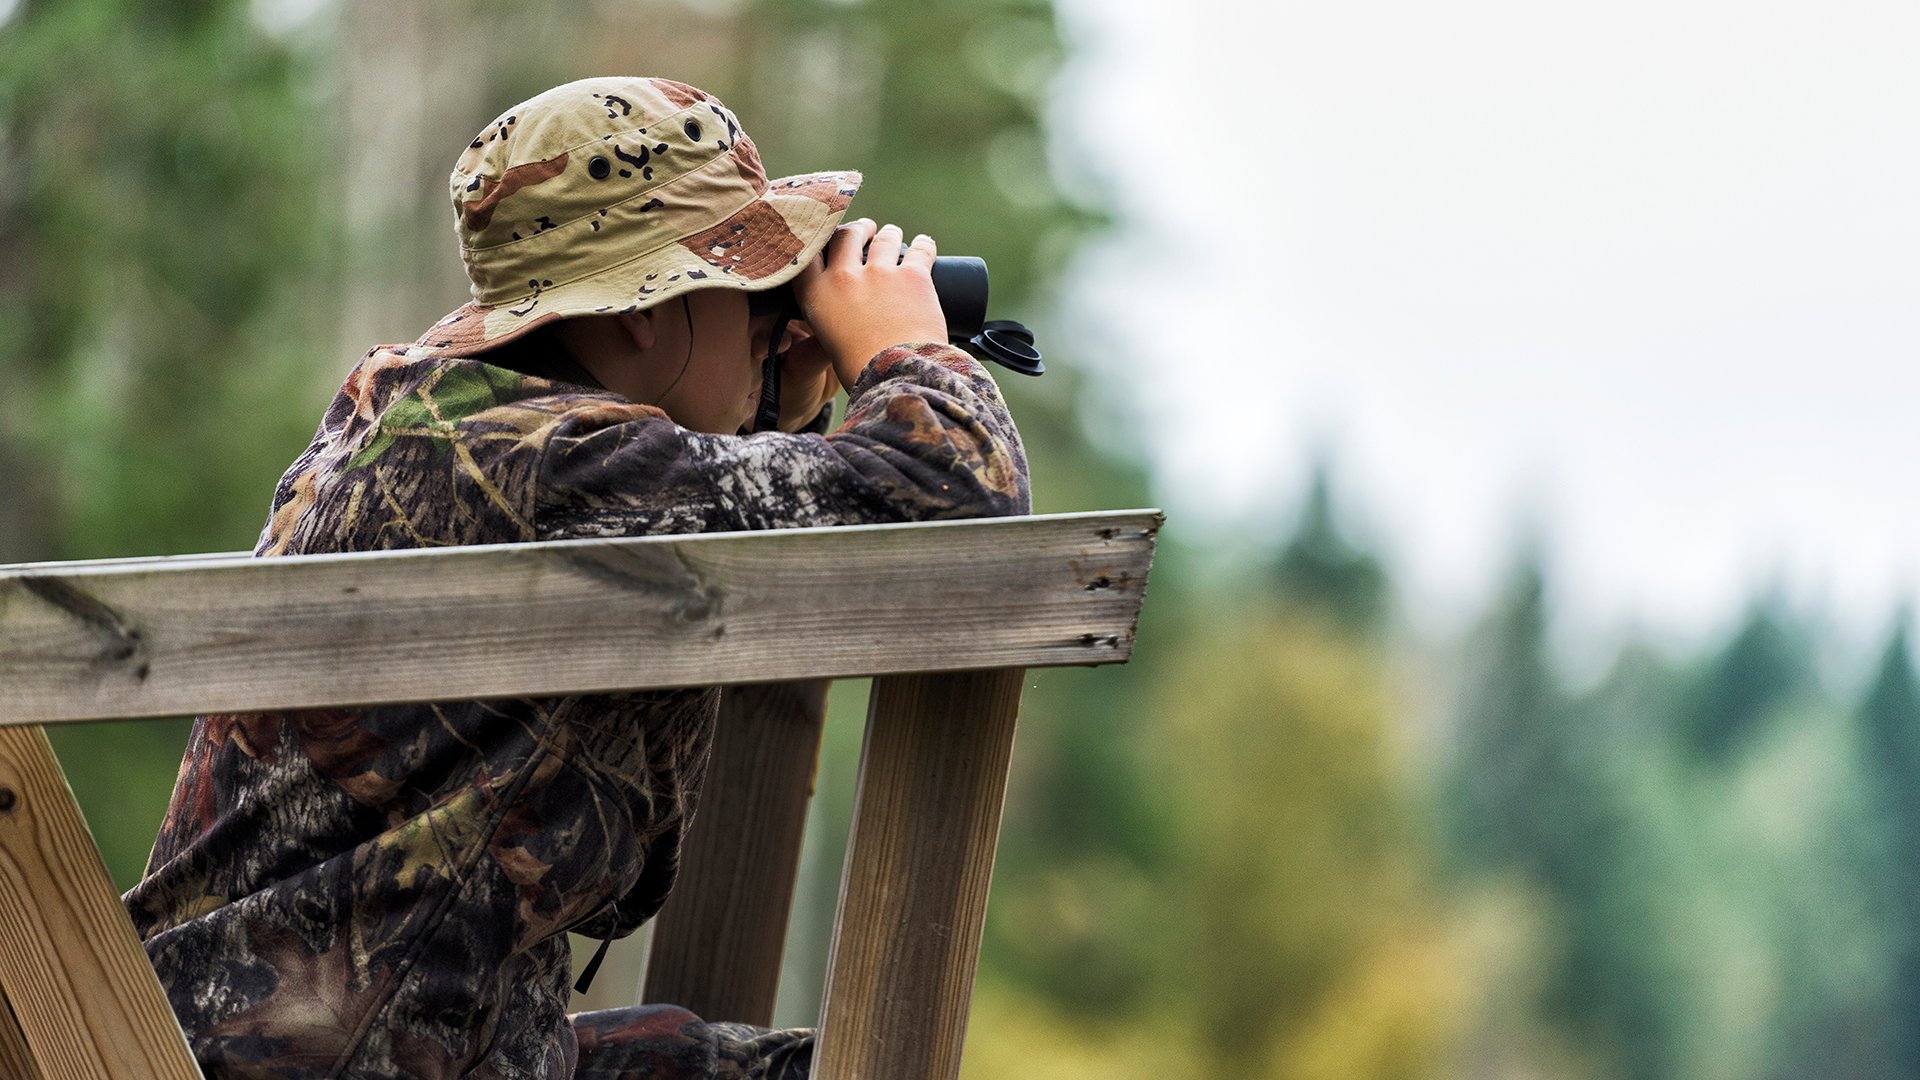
<point>1647,272</point>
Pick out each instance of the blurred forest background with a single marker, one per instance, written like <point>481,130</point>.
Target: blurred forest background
<point>1290,840</point>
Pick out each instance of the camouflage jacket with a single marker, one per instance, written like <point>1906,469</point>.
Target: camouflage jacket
<point>384,891</point>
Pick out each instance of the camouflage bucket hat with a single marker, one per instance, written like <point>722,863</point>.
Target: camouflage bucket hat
<point>613,194</point>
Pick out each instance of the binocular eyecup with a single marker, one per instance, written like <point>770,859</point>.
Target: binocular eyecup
<point>961,283</point>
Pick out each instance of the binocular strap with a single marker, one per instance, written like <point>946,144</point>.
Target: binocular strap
<point>768,416</point>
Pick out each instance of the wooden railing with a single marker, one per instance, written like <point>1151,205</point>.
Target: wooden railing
<point>948,616</point>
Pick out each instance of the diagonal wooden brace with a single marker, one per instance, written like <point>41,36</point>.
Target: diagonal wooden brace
<point>77,981</point>
<point>16,1061</point>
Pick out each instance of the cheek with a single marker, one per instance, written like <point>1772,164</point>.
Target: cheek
<point>727,381</point>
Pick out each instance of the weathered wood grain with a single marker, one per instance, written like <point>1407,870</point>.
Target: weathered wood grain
<point>145,562</point>
<point>717,944</point>
<point>74,973</point>
<point>131,639</point>
<point>913,895</point>
<point>16,1062</point>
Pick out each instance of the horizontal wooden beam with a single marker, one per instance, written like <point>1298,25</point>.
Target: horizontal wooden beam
<point>133,638</point>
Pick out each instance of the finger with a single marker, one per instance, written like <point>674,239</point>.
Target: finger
<point>885,248</point>
<point>920,253</point>
<point>848,244</point>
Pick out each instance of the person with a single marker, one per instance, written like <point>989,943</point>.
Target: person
<point>386,891</point>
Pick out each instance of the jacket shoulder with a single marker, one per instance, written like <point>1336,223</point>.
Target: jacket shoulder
<point>428,451</point>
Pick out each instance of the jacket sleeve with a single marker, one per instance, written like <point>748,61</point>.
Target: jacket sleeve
<point>927,437</point>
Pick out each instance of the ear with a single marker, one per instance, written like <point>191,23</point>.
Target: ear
<point>638,326</point>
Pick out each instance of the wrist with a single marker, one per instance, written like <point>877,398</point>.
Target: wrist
<point>850,364</point>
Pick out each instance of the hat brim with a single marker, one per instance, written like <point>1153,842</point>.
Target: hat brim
<point>761,246</point>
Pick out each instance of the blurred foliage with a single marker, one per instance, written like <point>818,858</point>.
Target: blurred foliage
<point>1248,874</point>
<point>1708,904</point>
<point>1538,791</point>
<point>166,234</point>
<point>1320,570</point>
<point>1880,1024</point>
<point>1288,840</point>
<point>165,237</point>
<point>1759,671</point>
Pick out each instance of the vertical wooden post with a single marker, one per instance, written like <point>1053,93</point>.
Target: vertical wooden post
<point>717,943</point>
<point>74,973</point>
<point>913,896</point>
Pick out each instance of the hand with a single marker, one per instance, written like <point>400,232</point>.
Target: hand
<point>859,306</point>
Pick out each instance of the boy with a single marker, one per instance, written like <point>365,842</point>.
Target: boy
<point>387,891</point>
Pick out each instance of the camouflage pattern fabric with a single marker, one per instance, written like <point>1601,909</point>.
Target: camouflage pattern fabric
<point>385,891</point>
<point>661,1040</point>
<point>614,194</point>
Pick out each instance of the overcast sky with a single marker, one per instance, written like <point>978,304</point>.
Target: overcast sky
<point>1643,271</point>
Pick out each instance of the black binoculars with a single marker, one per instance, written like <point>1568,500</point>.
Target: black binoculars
<point>961,283</point>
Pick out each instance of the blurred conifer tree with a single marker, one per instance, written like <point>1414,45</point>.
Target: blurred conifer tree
<point>1506,761</point>
<point>1536,790</point>
<point>1889,720</point>
<point>1320,570</point>
<point>1282,920</point>
<point>1766,664</point>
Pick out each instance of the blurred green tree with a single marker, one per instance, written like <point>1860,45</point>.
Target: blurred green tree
<point>1506,767</point>
<point>1539,789</point>
<point>1258,903</point>
<point>1890,726</point>
<point>165,240</point>
<point>1298,867</point>
<point>1767,663</point>
<point>1889,722</point>
<point>1320,570</point>
<point>1289,927</point>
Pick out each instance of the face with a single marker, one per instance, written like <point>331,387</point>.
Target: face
<point>714,386</point>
